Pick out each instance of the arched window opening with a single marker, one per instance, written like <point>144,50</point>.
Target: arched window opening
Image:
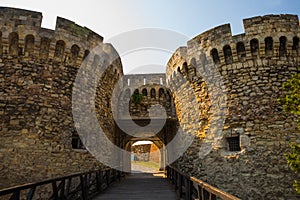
<point>215,56</point>
<point>282,46</point>
<point>178,69</point>
<point>143,108</point>
<point>29,45</point>
<point>1,43</point>
<point>59,49</point>
<point>96,61</point>
<point>127,93</point>
<point>254,47</point>
<point>86,54</point>
<point>185,68</point>
<point>295,47</point>
<point>44,48</point>
<point>74,53</point>
<point>144,92</point>
<point>14,44</point>
<point>203,60</point>
<point>241,51</point>
<point>168,95</point>
<point>161,93</point>
<point>152,93</point>
<point>76,142</point>
<point>269,46</point>
<point>227,54</point>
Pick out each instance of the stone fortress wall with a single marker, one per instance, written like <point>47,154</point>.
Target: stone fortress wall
<point>248,70</point>
<point>233,81</point>
<point>153,89</point>
<point>38,67</point>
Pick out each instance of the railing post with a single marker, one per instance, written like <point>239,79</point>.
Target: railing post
<point>83,188</point>
<point>62,190</point>
<point>176,180</point>
<point>180,185</point>
<point>55,191</point>
<point>68,186</point>
<point>188,188</point>
<point>15,196</point>
<point>30,193</point>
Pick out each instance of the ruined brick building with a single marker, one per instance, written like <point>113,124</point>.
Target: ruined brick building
<point>223,89</point>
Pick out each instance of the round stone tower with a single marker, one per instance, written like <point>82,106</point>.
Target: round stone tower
<point>233,84</point>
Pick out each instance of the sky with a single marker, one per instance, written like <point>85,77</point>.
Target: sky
<point>116,20</point>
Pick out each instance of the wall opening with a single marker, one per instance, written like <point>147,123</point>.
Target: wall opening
<point>44,47</point>
<point>295,47</point>
<point>74,53</point>
<point>241,51</point>
<point>145,157</point>
<point>144,92</point>
<point>14,44</point>
<point>282,46</point>
<point>254,47</point>
<point>29,45</point>
<point>227,54</point>
<point>269,46</point>
<point>161,93</point>
<point>152,93</point>
<point>215,56</point>
<point>1,43</point>
<point>76,142</point>
<point>233,143</point>
<point>59,49</point>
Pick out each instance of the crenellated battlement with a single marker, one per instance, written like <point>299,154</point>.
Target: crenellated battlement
<point>270,37</point>
<point>21,36</point>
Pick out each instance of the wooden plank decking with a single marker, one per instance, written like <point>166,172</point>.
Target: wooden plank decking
<point>140,186</point>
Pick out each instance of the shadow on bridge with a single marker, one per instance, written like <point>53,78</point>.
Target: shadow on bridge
<point>141,186</point>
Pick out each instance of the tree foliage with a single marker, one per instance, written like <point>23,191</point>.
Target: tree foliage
<point>137,98</point>
<point>291,103</point>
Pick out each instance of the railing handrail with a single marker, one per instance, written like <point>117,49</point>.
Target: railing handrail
<point>209,188</point>
<point>15,190</point>
<point>9,190</point>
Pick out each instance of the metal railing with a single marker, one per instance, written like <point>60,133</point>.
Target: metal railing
<point>192,188</point>
<point>87,185</point>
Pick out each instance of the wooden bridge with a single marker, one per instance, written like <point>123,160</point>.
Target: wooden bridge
<point>112,184</point>
<point>140,186</point>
